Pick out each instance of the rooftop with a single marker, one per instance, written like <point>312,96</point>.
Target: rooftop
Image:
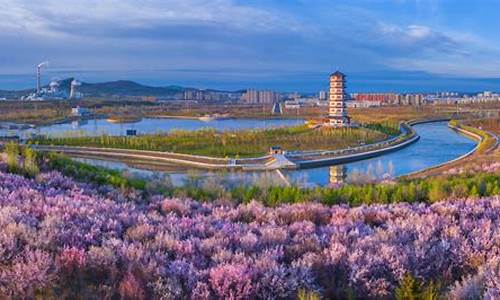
<point>337,74</point>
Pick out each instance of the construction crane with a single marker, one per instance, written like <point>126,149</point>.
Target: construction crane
<point>38,75</point>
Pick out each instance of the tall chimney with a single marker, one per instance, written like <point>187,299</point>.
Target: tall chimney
<point>38,79</point>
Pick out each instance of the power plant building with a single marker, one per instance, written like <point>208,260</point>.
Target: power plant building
<point>337,107</point>
<point>74,94</point>
<point>55,90</point>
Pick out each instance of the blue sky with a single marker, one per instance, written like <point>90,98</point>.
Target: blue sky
<point>288,45</point>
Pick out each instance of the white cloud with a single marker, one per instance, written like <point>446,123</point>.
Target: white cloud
<point>422,48</point>
<point>479,68</point>
<point>419,32</point>
<point>413,34</point>
<point>128,34</point>
<point>53,16</point>
<point>132,34</point>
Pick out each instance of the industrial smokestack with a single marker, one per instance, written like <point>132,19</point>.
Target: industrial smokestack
<point>38,75</point>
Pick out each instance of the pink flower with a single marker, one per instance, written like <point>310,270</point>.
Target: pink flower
<point>131,288</point>
<point>232,281</point>
<point>71,260</point>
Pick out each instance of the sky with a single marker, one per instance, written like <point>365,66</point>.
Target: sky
<point>286,45</point>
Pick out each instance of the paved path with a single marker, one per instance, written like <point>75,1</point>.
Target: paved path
<point>282,162</point>
<point>268,163</point>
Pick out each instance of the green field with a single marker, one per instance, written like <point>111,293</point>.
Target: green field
<point>250,143</point>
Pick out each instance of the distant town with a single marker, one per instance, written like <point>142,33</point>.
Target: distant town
<point>56,91</point>
<point>72,88</point>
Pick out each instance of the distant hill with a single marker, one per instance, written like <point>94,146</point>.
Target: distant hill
<point>111,88</point>
<point>127,88</point>
<point>15,94</point>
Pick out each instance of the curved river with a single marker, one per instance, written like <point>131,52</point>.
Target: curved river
<point>437,144</point>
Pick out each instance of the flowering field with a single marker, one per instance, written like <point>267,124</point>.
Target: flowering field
<point>62,239</point>
<point>475,168</point>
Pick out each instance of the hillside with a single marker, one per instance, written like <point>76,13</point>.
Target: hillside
<point>111,88</point>
<point>127,88</point>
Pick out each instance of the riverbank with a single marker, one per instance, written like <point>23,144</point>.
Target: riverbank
<point>312,159</point>
<point>485,153</point>
<point>15,126</point>
<point>428,190</point>
<point>428,152</point>
<point>47,112</point>
<point>387,165</point>
<point>425,189</point>
<point>286,160</point>
<point>123,119</point>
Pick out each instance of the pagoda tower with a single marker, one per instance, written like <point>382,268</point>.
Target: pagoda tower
<point>337,108</point>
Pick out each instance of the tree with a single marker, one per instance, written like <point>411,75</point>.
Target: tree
<point>408,289</point>
<point>12,152</point>
<point>30,164</point>
<point>437,191</point>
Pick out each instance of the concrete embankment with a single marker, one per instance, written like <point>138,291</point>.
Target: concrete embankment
<point>422,121</point>
<point>486,139</point>
<point>407,137</point>
<point>313,163</point>
<point>154,156</point>
<point>270,162</point>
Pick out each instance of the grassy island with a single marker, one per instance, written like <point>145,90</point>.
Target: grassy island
<point>249,143</point>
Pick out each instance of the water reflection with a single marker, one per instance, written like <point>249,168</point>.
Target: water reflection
<point>338,174</point>
<point>374,171</point>
<point>78,123</point>
<point>332,176</point>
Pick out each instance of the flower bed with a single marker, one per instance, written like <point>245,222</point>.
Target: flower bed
<point>61,238</point>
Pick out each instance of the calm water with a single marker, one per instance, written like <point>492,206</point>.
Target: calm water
<point>148,126</point>
<point>438,144</point>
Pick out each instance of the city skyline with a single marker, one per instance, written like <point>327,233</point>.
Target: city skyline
<point>383,46</point>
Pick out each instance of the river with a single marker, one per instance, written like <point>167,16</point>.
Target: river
<point>438,144</point>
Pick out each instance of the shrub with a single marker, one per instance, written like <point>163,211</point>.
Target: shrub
<point>61,238</point>
<point>30,162</point>
<point>12,152</point>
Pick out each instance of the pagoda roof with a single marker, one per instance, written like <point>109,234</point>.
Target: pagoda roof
<point>337,74</point>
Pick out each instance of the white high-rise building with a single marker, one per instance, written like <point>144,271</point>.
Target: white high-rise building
<point>264,97</point>
<point>322,95</point>
<point>337,110</point>
<point>267,97</point>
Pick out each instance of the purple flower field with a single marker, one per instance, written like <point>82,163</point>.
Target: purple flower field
<point>62,239</point>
